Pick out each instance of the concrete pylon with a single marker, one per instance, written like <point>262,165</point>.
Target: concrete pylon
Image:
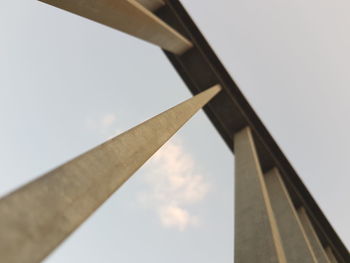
<point>315,242</point>
<point>39,216</point>
<point>296,246</point>
<point>131,17</point>
<point>257,237</point>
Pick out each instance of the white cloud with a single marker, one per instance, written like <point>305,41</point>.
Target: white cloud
<point>174,185</point>
<point>174,216</point>
<point>174,180</point>
<point>108,120</point>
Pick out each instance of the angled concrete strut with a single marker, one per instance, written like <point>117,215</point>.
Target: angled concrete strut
<point>36,218</point>
<point>130,17</point>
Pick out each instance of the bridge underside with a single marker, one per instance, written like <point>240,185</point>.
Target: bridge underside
<point>230,112</point>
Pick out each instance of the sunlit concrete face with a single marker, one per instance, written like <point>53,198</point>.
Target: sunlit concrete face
<point>40,215</point>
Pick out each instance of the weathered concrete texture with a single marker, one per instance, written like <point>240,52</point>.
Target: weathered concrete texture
<point>152,4</point>
<point>312,236</point>
<point>295,243</point>
<point>130,17</point>
<point>39,216</point>
<point>256,234</point>
<point>330,255</point>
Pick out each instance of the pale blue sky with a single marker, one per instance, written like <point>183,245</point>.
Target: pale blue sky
<point>67,84</point>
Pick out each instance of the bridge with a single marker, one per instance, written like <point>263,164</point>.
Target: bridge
<point>277,220</point>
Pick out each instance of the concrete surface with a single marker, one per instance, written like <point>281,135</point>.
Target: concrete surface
<point>316,245</point>
<point>256,234</point>
<point>296,246</point>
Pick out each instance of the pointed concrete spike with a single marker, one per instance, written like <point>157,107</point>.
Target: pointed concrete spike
<point>257,237</point>
<point>36,218</point>
<point>130,17</point>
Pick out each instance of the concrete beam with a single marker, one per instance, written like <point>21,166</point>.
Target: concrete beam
<point>316,245</point>
<point>257,237</point>
<point>36,218</point>
<point>296,246</point>
<point>130,17</point>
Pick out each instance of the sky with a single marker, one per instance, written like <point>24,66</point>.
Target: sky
<point>67,84</point>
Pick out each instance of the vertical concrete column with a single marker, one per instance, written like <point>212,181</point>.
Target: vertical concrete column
<point>39,216</point>
<point>315,243</point>
<point>257,237</point>
<point>296,246</point>
<point>330,255</point>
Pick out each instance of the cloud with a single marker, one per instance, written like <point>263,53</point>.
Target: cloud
<point>174,216</point>
<point>174,181</point>
<point>108,120</point>
<point>175,184</point>
<point>104,125</point>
